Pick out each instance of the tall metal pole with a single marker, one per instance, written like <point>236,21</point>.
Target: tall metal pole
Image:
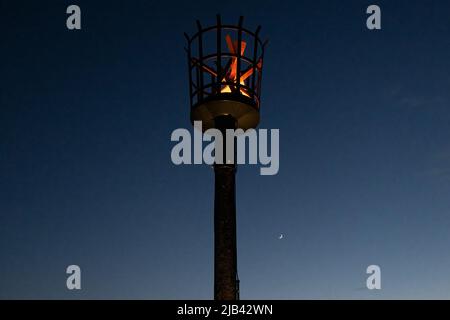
<point>225,99</point>
<point>225,248</point>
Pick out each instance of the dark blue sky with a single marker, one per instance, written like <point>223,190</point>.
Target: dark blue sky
<point>86,176</point>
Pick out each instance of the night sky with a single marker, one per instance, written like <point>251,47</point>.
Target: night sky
<point>86,176</point>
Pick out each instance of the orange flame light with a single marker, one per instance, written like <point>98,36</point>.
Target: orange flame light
<point>230,71</point>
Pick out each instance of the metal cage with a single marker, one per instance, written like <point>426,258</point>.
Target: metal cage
<point>225,63</point>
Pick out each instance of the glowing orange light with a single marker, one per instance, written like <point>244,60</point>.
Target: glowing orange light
<point>230,72</point>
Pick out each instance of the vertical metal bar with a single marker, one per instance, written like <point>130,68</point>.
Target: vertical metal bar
<point>200,57</point>
<point>255,55</point>
<point>197,77</point>
<point>238,68</point>
<point>189,67</point>
<point>219,54</point>
<point>260,71</point>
